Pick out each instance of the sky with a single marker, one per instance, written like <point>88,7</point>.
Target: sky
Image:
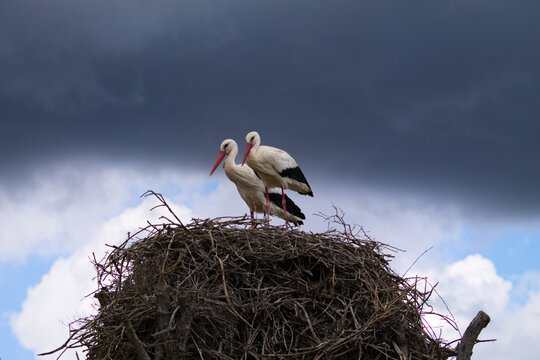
<point>417,119</point>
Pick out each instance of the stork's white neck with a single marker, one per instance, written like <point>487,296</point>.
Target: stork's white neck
<point>230,159</point>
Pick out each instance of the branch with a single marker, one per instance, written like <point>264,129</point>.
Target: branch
<point>137,344</point>
<point>227,293</point>
<point>464,349</point>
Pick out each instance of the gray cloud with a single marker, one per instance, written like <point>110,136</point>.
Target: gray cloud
<point>441,98</point>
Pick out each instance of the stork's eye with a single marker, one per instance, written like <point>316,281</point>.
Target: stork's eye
<point>252,138</point>
<point>225,146</point>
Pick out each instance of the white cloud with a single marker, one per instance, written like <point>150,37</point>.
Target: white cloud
<point>517,332</point>
<point>467,286</point>
<point>59,297</point>
<point>56,209</point>
<point>472,284</point>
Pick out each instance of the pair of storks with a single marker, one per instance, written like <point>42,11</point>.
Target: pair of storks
<point>258,183</point>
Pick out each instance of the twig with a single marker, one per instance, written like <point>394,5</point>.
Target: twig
<point>164,203</point>
<point>61,346</point>
<point>415,261</point>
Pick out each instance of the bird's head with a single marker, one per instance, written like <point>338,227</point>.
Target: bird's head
<point>227,146</point>
<point>252,140</point>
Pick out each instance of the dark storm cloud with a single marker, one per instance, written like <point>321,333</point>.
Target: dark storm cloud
<point>442,96</point>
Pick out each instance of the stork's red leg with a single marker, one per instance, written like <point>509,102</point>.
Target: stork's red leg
<point>284,203</point>
<point>251,213</point>
<point>267,206</point>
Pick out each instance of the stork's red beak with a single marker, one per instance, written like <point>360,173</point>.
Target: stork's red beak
<point>220,157</point>
<point>248,148</point>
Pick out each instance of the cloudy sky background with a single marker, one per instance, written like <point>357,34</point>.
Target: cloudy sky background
<point>418,119</point>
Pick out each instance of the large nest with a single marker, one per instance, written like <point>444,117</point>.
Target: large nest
<point>226,289</point>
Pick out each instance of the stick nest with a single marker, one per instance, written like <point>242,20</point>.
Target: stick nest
<point>224,289</point>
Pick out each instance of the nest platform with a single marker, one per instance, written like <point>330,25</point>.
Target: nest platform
<point>233,289</point>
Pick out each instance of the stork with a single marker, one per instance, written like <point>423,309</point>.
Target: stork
<point>276,168</point>
<point>252,189</point>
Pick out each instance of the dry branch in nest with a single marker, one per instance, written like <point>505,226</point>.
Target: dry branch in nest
<point>223,289</point>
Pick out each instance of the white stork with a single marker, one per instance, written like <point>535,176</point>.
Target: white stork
<point>252,189</point>
<point>275,167</point>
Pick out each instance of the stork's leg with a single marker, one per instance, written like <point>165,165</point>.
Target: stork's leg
<point>284,203</point>
<point>252,219</point>
<point>267,206</point>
